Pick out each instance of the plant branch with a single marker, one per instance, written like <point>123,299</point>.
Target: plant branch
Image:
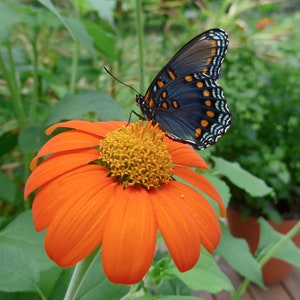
<point>79,274</point>
<point>266,257</point>
<point>10,77</point>
<point>35,94</point>
<point>74,67</point>
<point>140,31</point>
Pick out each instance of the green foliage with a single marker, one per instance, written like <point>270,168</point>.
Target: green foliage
<point>23,259</point>
<point>75,106</point>
<point>237,253</point>
<point>252,185</point>
<point>206,275</point>
<point>8,189</point>
<point>51,69</point>
<point>25,267</point>
<point>263,97</point>
<point>271,239</point>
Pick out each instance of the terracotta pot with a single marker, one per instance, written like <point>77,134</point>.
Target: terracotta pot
<point>275,270</point>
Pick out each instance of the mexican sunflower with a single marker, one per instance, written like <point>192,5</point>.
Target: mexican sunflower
<point>116,185</point>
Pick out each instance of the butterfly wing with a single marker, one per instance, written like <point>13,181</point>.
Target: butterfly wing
<point>194,112</point>
<point>184,97</point>
<point>204,53</point>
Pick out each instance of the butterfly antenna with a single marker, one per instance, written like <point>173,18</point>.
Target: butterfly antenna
<point>114,77</point>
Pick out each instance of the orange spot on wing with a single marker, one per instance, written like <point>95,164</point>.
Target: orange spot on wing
<point>164,94</point>
<point>146,98</point>
<point>199,84</point>
<point>207,102</point>
<point>206,93</point>
<point>165,105</point>
<point>210,113</point>
<point>160,83</point>
<point>198,132</point>
<point>175,104</point>
<point>204,123</point>
<point>214,43</point>
<point>151,102</point>
<point>213,52</point>
<point>188,78</point>
<point>171,74</point>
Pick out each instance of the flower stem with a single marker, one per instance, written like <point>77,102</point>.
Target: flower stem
<point>35,95</point>
<point>140,31</point>
<point>79,274</point>
<point>10,77</point>
<point>74,67</point>
<point>265,258</point>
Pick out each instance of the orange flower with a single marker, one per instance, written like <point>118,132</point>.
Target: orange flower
<point>113,185</point>
<point>264,23</point>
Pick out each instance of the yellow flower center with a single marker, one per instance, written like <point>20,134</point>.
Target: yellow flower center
<point>136,156</point>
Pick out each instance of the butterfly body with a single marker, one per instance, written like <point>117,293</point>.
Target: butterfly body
<point>185,98</point>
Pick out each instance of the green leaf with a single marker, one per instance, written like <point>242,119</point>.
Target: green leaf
<point>221,187</point>
<point>80,34</point>
<point>206,275</point>
<point>168,297</point>
<point>22,256</point>
<point>75,106</point>
<point>105,9</point>
<point>103,40</point>
<point>8,190</point>
<point>8,126</point>
<point>32,138</point>
<point>237,254</point>
<point>61,283</point>
<point>8,141</point>
<point>253,185</point>
<point>9,17</point>
<point>97,286</point>
<point>74,26</point>
<point>269,237</point>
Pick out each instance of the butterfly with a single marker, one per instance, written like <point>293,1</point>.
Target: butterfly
<point>185,99</point>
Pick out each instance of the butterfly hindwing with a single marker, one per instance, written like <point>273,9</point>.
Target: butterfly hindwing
<point>199,121</point>
<point>185,99</point>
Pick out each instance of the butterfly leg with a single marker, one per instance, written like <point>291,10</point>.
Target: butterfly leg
<point>135,113</point>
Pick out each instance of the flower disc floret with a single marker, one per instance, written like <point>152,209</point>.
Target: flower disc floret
<point>137,156</point>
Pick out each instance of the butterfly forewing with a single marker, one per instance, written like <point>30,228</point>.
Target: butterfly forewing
<point>185,99</point>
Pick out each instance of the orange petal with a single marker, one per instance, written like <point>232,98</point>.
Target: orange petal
<point>65,190</point>
<point>113,125</point>
<point>202,184</point>
<point>203,213</point>
<point>130,237</point>
<point>98,129</point>
<point>177,226</point>
<point>185,155</point>
<point>69,140</point>
<point>77,229</point>
<point>58,164</point>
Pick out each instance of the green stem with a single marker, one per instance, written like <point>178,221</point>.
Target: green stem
<point>35,95</point>
<point>265,258</point>
<point>26,161</point>
<point>241,290</point>
<point>74,68</point>
<point>10,77</point>
<point>79,274</point>
<point>140,31</point>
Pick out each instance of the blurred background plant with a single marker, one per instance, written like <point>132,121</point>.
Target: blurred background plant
<point>51,69</point>
<point>263,68</point>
